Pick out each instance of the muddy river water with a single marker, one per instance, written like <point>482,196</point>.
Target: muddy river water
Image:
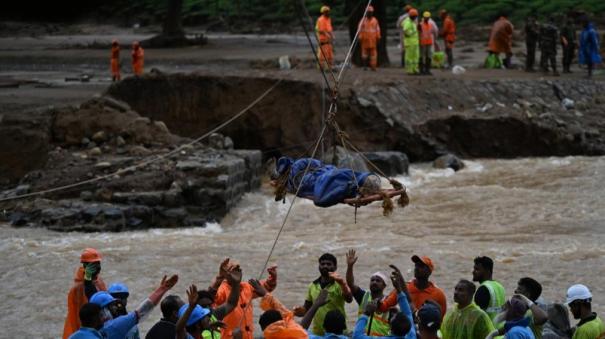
<point>542,218</point>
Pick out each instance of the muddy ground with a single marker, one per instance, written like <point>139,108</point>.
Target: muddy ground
<point>40,61</point>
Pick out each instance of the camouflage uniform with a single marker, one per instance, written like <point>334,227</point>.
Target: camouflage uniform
<point>549,35</point>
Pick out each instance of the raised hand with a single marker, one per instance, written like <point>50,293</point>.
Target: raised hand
<point>169,283</point>
<point>192,295</point>
<point>299,311</point>
<point>337,278</point>
<point>223,268</point>
<point>234,275</point>
<point>272,271</point>
<point>258,287</point>
<point>351,257</point>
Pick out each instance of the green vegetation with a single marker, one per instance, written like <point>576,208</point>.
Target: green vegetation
<point>242,15</point>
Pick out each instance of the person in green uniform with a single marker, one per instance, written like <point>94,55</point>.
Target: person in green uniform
<point>490,295</point>
<point>579,300</point>
<point>338,293</point>
<point>465,319</point>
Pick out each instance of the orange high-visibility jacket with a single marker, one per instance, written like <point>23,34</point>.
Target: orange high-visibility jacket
<point>426,33</point>
<point>501,37</point>
<point>369,32</point>
<point>287,328</point>
<point>243,309</point>
<point>323,28</point>
<point>115,60</point>
<point>449,29</point>
<point>75,300</point>
<point>138,56</point>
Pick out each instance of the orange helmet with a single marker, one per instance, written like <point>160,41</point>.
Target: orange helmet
<point>413,12</point>
<point>407,8</point>
<point>90,255</point>
<point>370,8</point>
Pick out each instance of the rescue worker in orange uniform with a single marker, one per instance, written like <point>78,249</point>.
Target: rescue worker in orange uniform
<point>90,269</point>
<point>369,36</point>
<point>138,56</point>
<point>115,61</point>
<point>501,39</point>
<point>448,33</point>
<point>242,316</point>
<point>427,29</point>
<point>323,29</point>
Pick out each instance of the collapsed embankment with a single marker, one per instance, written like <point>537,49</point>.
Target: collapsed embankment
<point>422,118</point>
<point>104,138</point>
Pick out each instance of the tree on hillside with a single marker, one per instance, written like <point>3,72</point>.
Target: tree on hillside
<point>173,34</point>
<point>354,10</point>
<point>172,23</point>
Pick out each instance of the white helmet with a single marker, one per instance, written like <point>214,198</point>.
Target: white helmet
<point>578,292</point>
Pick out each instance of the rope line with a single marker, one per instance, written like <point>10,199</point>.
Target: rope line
<point>152,160</point>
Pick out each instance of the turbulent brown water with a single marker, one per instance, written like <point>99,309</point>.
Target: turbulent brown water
<point>542,218</point>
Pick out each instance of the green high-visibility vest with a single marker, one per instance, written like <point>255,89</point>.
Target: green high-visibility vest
<point>497,298</point>
<point>380,321</point>
<point>211,334</point>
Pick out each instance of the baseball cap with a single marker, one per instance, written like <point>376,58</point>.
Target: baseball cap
<point>429,316</point>
<point>578,292</point>
<point>423,260</point>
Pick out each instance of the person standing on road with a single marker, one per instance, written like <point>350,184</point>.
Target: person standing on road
<point>501,39</point>
<point>369,36</point>
<point>138,56</point>
<point>568,43</point>
<point>411,42</point>
<point>399,26</point>
<point>448,33</point>
<point>325,36</point>
<point>115,61</point>
<point>589,54</point>
<point>532,32</point>
<point>549,34</point>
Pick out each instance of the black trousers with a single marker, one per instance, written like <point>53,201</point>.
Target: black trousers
<point>531,54</point>
<point>568,55</point>
<point>545,58</point>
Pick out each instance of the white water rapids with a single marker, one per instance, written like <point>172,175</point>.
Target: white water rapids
<point>537,217</point>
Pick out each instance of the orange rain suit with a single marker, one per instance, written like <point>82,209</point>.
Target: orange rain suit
<point>75,300</point>
<point>501,37</point>
<point>115,62</point>
<point>242,310</point>
<point>449,32</point>
<point>369,36</point>
<point>138,55</point>
<point>285,328</point>
<point>323,29</point>
<point>419,297</point>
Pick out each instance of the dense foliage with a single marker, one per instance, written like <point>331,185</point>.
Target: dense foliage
<point>243,15</point>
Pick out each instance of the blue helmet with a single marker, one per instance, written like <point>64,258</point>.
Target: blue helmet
<point>102,298</point>
<point>118,288</point>
<point>197,314</point>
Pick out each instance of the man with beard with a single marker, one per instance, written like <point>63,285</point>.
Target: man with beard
<point>338,293</point>
<point>579,300</point>
<point>379,326</point>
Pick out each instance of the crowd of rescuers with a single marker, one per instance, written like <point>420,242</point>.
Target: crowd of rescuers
<point>413,309</point>
<point>419,37</point>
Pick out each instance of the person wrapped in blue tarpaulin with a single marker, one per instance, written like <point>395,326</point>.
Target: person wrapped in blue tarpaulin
<point>326,185</point>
